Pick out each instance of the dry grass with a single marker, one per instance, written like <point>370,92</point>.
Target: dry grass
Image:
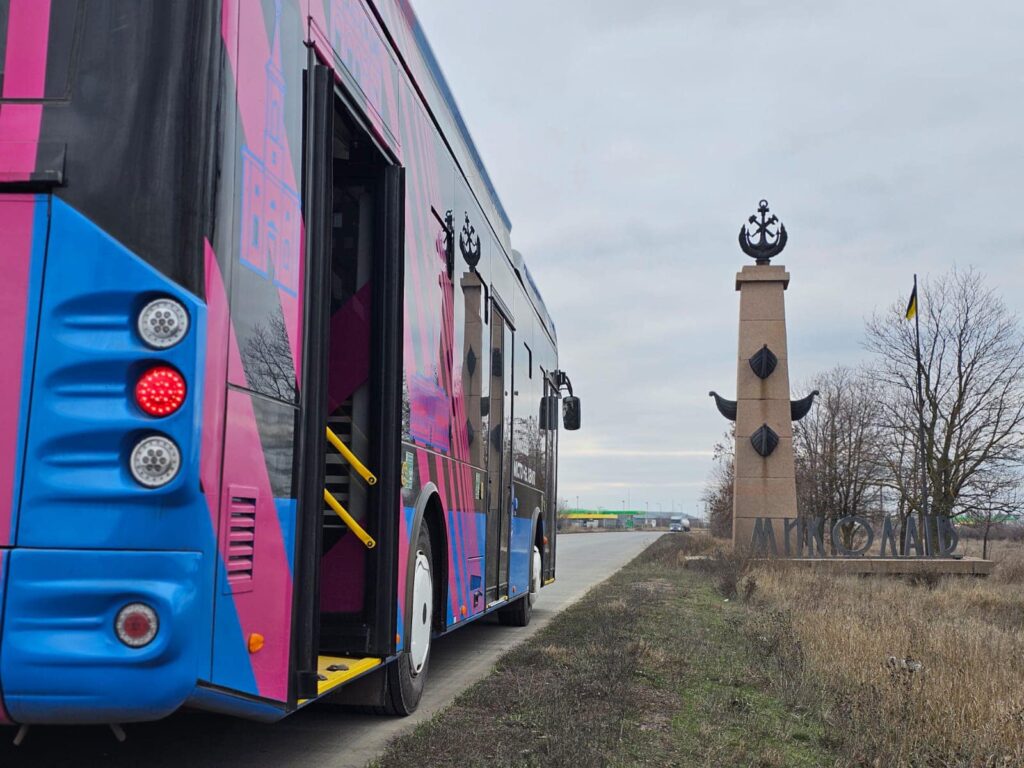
<point>650,668</point>
<point>828,642</point>
<point>998,549</point>
<point>795,669</point>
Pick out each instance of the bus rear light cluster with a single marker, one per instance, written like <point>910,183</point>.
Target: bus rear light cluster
<point>155,461</point>
<point>136,625</point>
<point>160,391</point>
<point>163,323</point>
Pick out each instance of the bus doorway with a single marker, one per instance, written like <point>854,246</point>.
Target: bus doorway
<point>352,414</point>
<point>499,458</point>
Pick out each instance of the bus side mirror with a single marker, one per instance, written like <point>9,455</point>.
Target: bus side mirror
<point>571,412</point>
<point>549,412</point>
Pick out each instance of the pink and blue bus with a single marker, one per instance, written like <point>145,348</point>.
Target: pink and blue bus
<point>280,403</point>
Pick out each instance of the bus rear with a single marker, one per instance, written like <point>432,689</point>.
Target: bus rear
<point>106,538</point>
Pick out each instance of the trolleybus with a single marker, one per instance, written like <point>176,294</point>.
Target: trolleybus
<point>279,403</point>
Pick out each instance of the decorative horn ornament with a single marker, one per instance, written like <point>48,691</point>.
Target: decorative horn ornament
<point>764,440</point>
<point>800,408</point>
<point>767,243</point>
<point>725,407</point>
<point>763,362</point>
<point>469,244</point>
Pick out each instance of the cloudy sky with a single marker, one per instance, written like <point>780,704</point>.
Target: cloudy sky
<point>630,140</point>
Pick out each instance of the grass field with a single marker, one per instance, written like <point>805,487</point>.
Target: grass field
<point>719,662</point>
<point>905,673</point>
<point>654,667</point>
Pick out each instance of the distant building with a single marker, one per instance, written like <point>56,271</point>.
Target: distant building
<point>598,518</point>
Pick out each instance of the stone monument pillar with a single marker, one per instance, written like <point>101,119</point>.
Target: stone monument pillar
<point>765,485</point>
<point>765,482</point>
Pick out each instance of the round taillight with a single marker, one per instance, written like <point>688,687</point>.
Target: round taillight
<point>163,323</point>
<point>160,391</point>
<point>155,461</point>
<point>136,625</point>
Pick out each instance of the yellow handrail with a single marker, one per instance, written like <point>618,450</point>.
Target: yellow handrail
<point>350,457</point>
<point>353,526</point>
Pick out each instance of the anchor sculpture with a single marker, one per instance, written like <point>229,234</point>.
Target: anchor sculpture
<point>768,243</point>
<point>762,238</point>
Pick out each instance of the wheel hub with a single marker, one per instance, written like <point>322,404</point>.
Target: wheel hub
<point>422,613</point>
<point>535,577</point>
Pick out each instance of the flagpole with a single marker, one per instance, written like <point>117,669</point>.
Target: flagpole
<point>920,419</point>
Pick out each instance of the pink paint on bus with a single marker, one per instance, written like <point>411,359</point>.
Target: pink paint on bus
<point>28,29</point>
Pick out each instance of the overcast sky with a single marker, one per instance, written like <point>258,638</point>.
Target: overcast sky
<point>630,140</point>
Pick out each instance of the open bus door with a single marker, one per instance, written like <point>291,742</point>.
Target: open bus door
<point>351,393</point>
<point>499,456</point>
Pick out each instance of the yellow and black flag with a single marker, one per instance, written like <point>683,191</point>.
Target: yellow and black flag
<point>912,304</point>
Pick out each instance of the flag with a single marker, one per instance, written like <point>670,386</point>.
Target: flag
<point>912,304</point>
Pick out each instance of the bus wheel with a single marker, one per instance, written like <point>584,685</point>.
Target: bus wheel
<point>535,576</point>
<point>407,675</point>
<point>521,611</point>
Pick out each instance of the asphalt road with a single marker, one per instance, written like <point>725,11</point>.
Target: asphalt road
<point>324,735</point>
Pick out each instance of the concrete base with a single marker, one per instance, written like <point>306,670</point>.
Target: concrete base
<point>967,566</point>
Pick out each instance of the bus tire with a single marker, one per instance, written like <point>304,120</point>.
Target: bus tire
<point>407,675</point>
<point>521,611</point>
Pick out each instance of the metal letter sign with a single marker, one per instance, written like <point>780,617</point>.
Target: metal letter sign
<point>806,535</point>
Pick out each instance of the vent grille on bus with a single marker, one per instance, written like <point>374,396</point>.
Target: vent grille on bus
<point>241,537</point>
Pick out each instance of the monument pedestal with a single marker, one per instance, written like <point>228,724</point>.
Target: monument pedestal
<point>765,486</point>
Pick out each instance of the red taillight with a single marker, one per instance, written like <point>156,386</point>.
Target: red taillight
<point>136,625</point>
<point>160,391</point>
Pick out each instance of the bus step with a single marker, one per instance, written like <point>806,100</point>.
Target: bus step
<point>333,671</point>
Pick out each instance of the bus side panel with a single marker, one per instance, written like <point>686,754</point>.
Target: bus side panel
<point>266,57</point>
<point>263,269</point>
<point>24,220</point>
<point>423,400</point>
<point>434,403</point>
<point>254,582</point>
<point>5,718</point>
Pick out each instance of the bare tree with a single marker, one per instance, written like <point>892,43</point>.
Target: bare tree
<point>898,454</point>
<point>972,354</point>
<point>995,498</point>
<point>718,491</point>
<point>837,449</point>
<point>268,359</point>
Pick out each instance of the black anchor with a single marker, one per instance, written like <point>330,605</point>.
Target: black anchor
<point>768,243</point>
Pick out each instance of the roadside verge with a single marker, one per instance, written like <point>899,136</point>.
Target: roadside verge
<point>651,667</point>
